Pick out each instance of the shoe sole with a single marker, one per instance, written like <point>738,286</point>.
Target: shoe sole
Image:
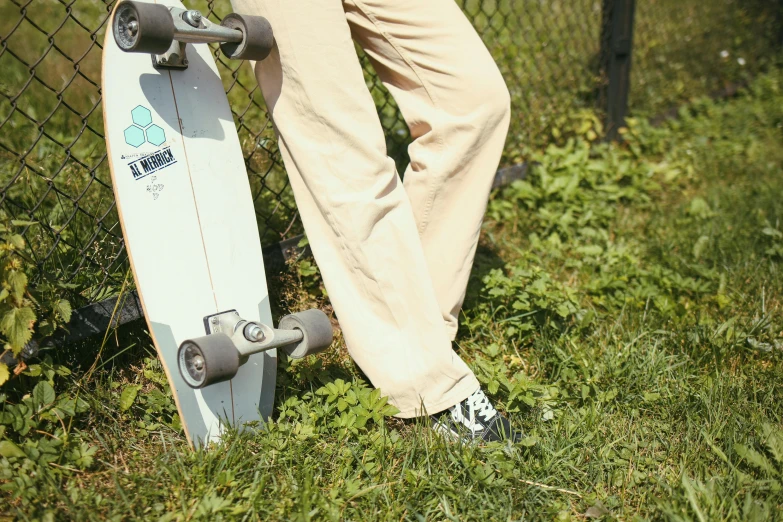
<point>452,435</point>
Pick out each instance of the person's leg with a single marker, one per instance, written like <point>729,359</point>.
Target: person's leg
<point>457,107</point>
<point>356,212</point>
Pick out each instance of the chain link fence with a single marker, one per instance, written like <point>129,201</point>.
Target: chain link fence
<point>53,168</point>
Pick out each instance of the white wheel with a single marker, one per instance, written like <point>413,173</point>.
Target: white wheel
<point>139,27</point>
<point>257,37</point>
<point>316,330</point>
<point>206,360</point>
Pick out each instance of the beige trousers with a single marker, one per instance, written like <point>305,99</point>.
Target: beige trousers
<point>395,257</point>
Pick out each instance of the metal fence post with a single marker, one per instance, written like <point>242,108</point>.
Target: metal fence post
<point>616,50</point>
<point>780,23</point>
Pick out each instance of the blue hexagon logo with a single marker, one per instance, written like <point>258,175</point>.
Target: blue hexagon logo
<point>134,136</point>
<point>155,135</point>
<point>141,116</point>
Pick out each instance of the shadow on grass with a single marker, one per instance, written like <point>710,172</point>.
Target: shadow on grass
<point>487,259</point>
<point>119,348</point>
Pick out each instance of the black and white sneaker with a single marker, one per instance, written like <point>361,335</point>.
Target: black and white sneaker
<point>474,419</point>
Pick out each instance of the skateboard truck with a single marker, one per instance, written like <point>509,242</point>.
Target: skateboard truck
<point>231,340</point>
<point>163,32</point>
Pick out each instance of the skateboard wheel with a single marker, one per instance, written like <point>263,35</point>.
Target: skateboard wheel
<point>139,27</point>
<point>207,360</point>
<point>257,37</point>
<point>316,328</point>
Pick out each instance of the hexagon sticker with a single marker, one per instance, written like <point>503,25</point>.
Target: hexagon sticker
<point>134,136</point>
<point>141,116</point>
<point>155,135</point>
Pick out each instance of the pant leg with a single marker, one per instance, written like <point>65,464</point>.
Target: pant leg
<point>457,107</point>
<point>356,212</point>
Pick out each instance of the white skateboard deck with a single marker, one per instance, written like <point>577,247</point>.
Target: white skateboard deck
<point>187,216</point>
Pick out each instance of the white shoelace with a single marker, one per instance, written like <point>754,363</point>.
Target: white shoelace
<point>478,403</point>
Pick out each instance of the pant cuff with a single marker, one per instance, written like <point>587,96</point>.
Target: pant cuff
<point>457,394</point>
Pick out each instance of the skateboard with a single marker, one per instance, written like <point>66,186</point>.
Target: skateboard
<point>186,211</point>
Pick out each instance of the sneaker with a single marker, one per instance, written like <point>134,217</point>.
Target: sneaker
<point>474,419</point>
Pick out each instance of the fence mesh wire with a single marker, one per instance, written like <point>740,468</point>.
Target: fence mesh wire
<point>53,167</point>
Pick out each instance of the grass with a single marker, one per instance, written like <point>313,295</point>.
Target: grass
<point>625,310</point>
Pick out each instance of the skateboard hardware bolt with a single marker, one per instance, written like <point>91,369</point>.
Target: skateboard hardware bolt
<point>192,18</point>
<point>254,333</point>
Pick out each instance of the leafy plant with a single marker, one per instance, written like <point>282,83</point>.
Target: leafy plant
<point>528,297</point>
<point>23,310</point>
<point>36,439</point>
<point>149,400</point>
<point>344,406</point>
